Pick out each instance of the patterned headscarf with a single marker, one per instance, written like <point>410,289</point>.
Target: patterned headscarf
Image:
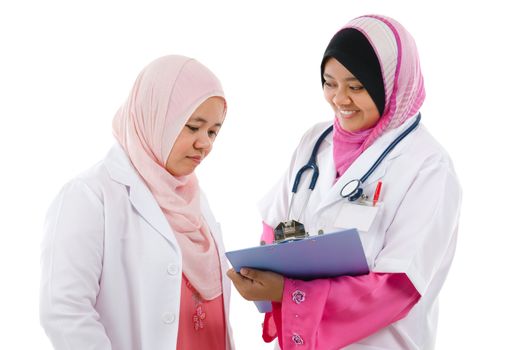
<point>398,59</point>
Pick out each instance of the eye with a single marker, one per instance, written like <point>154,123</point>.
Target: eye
<point>356,88</point>
<point>213,133</point>
<point>192,128</point>
<point>329,84</point>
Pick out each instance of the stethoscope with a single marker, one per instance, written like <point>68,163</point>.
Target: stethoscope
<point>352,190</point>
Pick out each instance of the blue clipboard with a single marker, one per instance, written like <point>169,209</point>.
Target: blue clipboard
<point>328,255</point>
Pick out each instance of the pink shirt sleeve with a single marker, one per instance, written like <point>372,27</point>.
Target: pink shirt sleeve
<point>334,312</point>
<point>267,236</point>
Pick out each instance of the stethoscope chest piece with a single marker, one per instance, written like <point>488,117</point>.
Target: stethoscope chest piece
<point>352,190</point>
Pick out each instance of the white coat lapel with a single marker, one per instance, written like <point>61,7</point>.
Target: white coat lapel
<point>304,195</point>
<point>122,171</point>
<point>327,174</point>
<point>146,205</point>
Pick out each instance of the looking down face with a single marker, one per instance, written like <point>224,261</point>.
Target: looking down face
<point>349,99</point>
<point>196,139</point>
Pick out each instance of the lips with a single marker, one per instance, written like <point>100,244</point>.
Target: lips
<point>196,159</point>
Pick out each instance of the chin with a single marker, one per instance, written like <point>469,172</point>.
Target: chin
<point>187,172</point>
<point>349,125</point>
<point>181,172</point>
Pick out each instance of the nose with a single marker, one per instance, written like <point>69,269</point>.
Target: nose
<point>203,142</point>
<point>341,97</point>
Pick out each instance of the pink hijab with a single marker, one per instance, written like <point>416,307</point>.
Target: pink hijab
<point>402,79</point>
<point>162,99</point>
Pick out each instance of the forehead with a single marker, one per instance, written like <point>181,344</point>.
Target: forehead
<point>211,111</point>
<point>334,69</point>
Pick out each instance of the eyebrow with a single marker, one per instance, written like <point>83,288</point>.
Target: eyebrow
<point>203,121</point>
<point>352,78</point>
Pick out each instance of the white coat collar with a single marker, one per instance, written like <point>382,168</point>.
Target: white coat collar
<point>122,171</point>
<point>361,165</point>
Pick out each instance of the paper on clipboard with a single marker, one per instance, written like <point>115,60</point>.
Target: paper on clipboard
<point>329,255</point>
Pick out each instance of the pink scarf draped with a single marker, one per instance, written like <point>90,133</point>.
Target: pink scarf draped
<point>347,146</point>
<point>162,99</point>
<point>402,79</point>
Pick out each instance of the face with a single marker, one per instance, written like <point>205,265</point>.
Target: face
<point>195,141</point>
<point>350,101</point>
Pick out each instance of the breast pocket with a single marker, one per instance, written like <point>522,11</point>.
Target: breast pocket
<point>357,216</point>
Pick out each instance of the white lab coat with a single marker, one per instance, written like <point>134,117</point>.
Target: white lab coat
<point>111,266</point>
<point>413,231</point>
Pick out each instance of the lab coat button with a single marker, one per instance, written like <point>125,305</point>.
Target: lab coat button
<point>168,317</point>
<point>173,269</point>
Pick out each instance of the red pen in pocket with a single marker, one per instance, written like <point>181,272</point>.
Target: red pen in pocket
<point>376,194</point>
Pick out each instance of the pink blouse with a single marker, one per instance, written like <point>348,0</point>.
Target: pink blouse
<point>334,312</point>
<point>202,322</point>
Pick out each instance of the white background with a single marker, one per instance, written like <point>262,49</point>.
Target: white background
<point>66,66</point>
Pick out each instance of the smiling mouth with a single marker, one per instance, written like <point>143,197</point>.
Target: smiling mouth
<point>347,113</point>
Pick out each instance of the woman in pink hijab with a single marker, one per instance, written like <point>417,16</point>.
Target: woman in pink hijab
<point>132,254</point>
<point>407,215</point>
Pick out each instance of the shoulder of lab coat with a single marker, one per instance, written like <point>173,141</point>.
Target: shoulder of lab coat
<point>79,301</point>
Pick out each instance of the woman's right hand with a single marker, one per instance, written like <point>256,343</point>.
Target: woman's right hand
<point>257,285</point>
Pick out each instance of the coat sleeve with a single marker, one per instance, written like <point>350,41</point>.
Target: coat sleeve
<point>72,258</point>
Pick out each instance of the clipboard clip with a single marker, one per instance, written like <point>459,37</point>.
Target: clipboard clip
<point>289,231</point>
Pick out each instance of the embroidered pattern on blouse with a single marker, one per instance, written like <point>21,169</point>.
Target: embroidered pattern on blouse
<point>298,296</point>
<point>296,338</point>
<point>199,314</point>
<point>198,318</point>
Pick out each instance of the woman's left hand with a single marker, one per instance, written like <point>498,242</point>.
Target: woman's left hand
<point>257,285</point>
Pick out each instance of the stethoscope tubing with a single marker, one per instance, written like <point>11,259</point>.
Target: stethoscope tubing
<point>313,165</point>
<point>391,147</point>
